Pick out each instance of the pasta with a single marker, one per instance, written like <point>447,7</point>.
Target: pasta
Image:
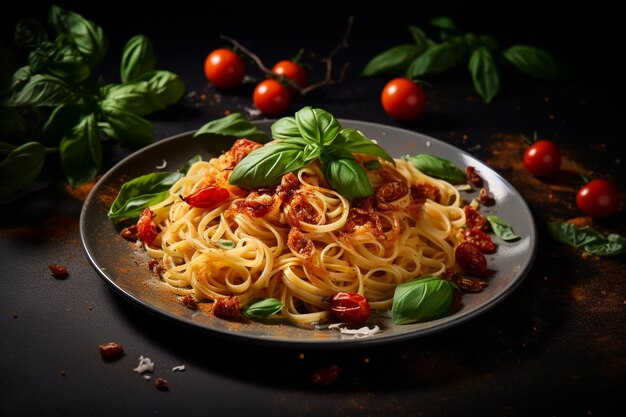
<point>301,241</point>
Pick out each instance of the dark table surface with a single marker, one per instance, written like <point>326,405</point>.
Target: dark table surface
<point>555,347</point>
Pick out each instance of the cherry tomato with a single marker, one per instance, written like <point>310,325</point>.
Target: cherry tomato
<point>207,197</point>
<point>146,229</point>
<point>403,99</point>
<point>293,71</point>
<point>471,259</point>
<point>599,198</point>
<point>350,307</point>
<point>542,158</point>
<point>479,239</point>
<point>271,97</point>
<point>224,68</point>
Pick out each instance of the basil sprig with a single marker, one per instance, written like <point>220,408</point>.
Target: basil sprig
<point>144,191</point>
<point>422,299</point>
<point>57,97</point>
<point>589,239</point>
<point>311,134</point>
<point>262,308</point>
<point>426,56</point>
<point>438,167</point>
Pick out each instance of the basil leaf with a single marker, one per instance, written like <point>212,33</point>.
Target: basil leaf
<point>419,37</point>
<point>43,90</point>
<point>533,61</point>
<point>422,299</point>
<point>20,168</point>
<point>137,58</point>
<point>81,151</point>
<point>439,168</point>
<point>614,245</point>
<point>61,121</point>
<point>140,193</point>
<point>443,22</point>
<point>267,165</point>
<point>20,77</point>
<point>235,125</point>
<point>286,128</point>
<point>373,165</point>
<point>569,234</point>
<point>126,126</point>
<point>69,64</point>
<point>188,164</point>
<point>88,37</point>
<point>166,86</point>
<point>502,229</point>
<point>317,125</point>
<point>261,308</point>
<point>346,176</point>
<point>136,97</point>
<point>485,76</point>
<point>38,58</point>
<point>436,59</point>
<point>391,61</point>
<point>354,141</point>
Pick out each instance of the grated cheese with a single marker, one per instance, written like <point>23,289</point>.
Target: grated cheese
<point>179,368</point>
<point>145,365</point>
<point>355,333</point>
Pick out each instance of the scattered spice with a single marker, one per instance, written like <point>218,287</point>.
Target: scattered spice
<point>301,355</point>
<point>161,384</point>
<point>59,271</point>
<point>111,351</point>
<point>62,372</point>
<point>14,315</point>
<point>326,375</point>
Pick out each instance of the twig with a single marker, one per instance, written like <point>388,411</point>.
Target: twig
<point>328,61</point>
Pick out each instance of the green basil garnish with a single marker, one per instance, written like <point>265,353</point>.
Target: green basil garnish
<point>235,125</point>
<point>590,239</point>
<point>20,168</point>
<point>313,133</point>
<point>485,75</point>
<point>261,308</point>
<point>533,61</point>
<point>438,167</point>
<point>422,299</point>
<point>137,58</point>
<point>502,229</point>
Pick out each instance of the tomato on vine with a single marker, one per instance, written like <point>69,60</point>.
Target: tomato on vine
<point>542,158</point>
<point>292,70</point>
<point>224,68</point>
<point>403,99</point>
<point>271,97</point>
<point>598,198</point>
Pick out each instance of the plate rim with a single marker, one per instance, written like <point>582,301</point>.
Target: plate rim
<point>449,322</point>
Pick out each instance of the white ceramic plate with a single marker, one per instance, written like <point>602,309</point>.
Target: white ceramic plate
<point>125,268</point>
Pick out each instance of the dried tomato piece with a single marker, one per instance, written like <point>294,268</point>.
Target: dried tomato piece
<point>471,259</point>
<point>326,375</point>
<point>473,177</point>
<point>473,219</point>
<point>227,307</point>
<point>207,197</point>
<point>146,229</point>
<point>479,239</point>
<point>59,271</point>
<point>111,351</point>
<point>189,302</point>
<point>161,384</point>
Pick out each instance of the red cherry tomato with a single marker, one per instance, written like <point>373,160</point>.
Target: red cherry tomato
<point>271,97</point>
<point>403,99</point>
<point>599,198</point>
<point>479,239</point>
<point>542,158</point>
<point>146,229</point>
<point>293,71</point>
<point>224,68</point>
<point>471,259</point>
<point>350,307</point>
<point>207,197</point>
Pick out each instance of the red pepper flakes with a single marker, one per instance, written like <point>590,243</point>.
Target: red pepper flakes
<point>161,384</point>
<point>111,351</point>
<point>326,375</point>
